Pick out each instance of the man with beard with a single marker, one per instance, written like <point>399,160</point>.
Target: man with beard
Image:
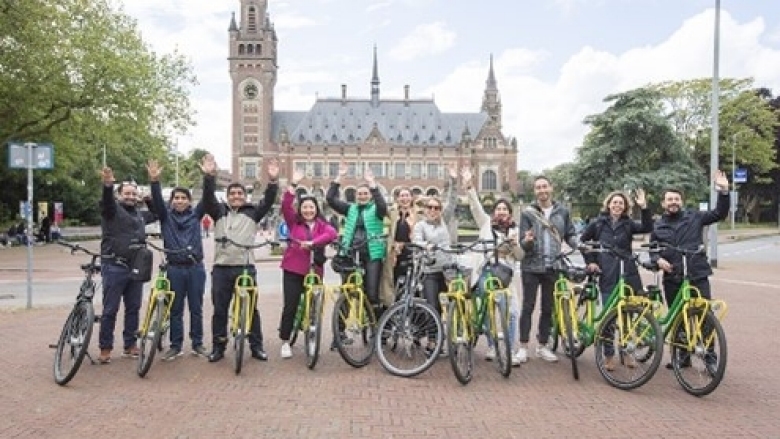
<point>684,229</point>
<point>122,224</point>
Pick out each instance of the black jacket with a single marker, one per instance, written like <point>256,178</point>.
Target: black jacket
<point>685,230</point>
<point>618,235</point>
<point>121,225</point>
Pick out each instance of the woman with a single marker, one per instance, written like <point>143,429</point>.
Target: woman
<point>501,227</point>
<point>615,228</point>
<point>364,220</point>
<point>307,229</point>
<point>402,220</point>
<point>433,231</point>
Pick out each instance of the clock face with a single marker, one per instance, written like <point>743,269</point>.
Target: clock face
<point>250,91</point>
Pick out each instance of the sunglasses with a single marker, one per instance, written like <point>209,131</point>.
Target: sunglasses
<point>433,207</point>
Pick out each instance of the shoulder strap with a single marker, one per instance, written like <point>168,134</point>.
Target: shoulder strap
<point>538,216</point>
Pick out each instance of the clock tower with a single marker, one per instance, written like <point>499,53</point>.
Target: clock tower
<point>253,70</point>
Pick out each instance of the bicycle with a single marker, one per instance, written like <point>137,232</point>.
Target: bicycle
<point>470,315</point>
<point>353,319</point>
<point>308,316</point>
<point>626,325</point>
<point>73,343</point>
<point>410,331</point>
<point>157,319</point>
<point>691,328</point>
<point>244,300</point>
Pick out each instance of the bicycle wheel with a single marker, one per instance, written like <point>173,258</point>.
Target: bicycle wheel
<point>313,331</point>
<point>73,342</point>
<point>153,336</point>
<point>639,347</point>
<point>354,329</point>
<point>701,369</point>
<point>240,335</point>
<point>459,344</point>
<point>569,343</point>
<point>498,332</point>
<point>410,338</point>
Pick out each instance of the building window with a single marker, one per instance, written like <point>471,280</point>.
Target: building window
<point>378,168</point>
<point>351,169</point>
<point>300,166</point>
<point>433,170</point>
<point>317,170</point>
<point>252,21</point>
<point>489,181</point>
<point>400,170</point>
<point>416,170</point>
<point>333,169</point>
<point>250,170</point>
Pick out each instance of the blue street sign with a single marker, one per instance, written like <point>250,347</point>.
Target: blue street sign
<point>740,175</point>
<point>283,231</point>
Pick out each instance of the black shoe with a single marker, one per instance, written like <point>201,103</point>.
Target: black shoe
<point>216,355</point>
<point>333,346</point>
<point>685,363</point>
<point>259,354</point>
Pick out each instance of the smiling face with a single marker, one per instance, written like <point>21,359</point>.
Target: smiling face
<point>180,201</point>
<point>433,209</point>
<point>236,197</point>
<point>404,198</point>
<point>616,204</point>
<point>672,201</point>
<point>543,190</point>
<point>362,195</point>
<point>501,211</point>
<point>128,194</point>
<point>308,209</point>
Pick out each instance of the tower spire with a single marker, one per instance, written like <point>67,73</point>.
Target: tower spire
<point>233,26</point>
<point>375,82</point>
<point>491,80</point>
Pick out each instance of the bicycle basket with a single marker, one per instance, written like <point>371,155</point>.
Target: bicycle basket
<point>451,273</point>
<point>576,274</point>
<point>342,264</point>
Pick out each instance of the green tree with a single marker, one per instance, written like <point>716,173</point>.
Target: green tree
<point>76,73</point>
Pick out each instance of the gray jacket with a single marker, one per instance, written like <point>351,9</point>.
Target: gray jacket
<point>540,252</point>
<point>425,233</point>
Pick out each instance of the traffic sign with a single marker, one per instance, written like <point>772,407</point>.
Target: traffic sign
<point>283,232</point>
<point>740,175</point>
<point>42,156</point>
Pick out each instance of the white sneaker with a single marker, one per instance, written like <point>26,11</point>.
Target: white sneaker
<point>286,350</point>
<point>546,354</point>
<point>491,354</point>
<point>520,357</point>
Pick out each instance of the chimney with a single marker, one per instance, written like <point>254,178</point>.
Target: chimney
<point>343,93</point>
<point>406,94</point>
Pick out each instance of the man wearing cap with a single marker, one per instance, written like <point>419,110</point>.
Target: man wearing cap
<point>180,229</point>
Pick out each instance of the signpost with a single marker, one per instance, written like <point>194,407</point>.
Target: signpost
<point>30,156</point>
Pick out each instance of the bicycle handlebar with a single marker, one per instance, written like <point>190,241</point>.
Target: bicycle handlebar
<point>225,240</point>
<point>656,247</point>
<point>338,246</point>
<point>74,248</point>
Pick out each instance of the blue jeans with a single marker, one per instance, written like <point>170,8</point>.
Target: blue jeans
<point>118,286</point>
<point>188,282</point>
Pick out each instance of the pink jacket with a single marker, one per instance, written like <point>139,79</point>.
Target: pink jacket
<point>296,259</point>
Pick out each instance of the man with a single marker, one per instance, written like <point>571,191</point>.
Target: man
<point>238,221</point>
<point>544,225</point>
<point>180,229</point>
<point>122,224</point>
<point>685,229</point>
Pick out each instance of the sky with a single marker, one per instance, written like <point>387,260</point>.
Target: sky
<point>555,60</point>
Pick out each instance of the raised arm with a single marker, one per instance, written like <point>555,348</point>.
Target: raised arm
<point>332,197</point>
<point>451,200</point>
<point>158,204</point>
<point>722,208</point>
<point>107,200</point>
<point>376,195</point>
<point>475,206</point>
<point>210,204</point>
<point>645,225</point>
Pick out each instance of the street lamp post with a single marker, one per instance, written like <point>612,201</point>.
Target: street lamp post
<point>713,229</point>
<point>733,200</point>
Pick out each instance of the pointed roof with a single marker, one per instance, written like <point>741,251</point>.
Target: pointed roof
<point>375,76</point>
<point>491,81</point>
<point>233,26</point>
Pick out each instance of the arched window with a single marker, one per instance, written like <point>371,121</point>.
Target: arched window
<point>489,181</point>
<point>241,49</point>
<point>250,48</point>
<point>258,49</point>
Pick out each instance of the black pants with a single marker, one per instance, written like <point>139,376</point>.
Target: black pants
<point>531,283</point>
<point>371,281</point>
<point>672,285</point>
<point>292,287</point>
<point>433,284</point>
<point>223,278</point>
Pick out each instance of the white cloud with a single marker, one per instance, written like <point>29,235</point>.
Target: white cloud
<point>373,7</point>
<point>425,39</point>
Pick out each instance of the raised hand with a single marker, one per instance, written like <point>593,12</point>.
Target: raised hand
<point>343,169</point>
<point>297,176</point>
<point>369,176</point>
<point>154,170</point>
<point>721,181</point>
<point>273,169</point>
<point>641,201</point>
<point>107,175</point>
<point>453,169</point>
<point>208,165</point>
<point>465,173</point>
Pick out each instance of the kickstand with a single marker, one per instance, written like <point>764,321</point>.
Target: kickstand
<point>91,360</point>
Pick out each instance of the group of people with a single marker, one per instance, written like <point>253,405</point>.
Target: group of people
<point>530,247</point>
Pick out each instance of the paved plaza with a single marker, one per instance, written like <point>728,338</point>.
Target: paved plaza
<point>190,398</point>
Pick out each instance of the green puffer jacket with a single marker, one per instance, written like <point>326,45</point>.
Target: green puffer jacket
<point>374,227</point>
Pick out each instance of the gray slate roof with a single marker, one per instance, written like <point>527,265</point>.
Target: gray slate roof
<point>413,123</point>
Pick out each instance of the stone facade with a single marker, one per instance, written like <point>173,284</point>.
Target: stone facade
<point>406,142</point>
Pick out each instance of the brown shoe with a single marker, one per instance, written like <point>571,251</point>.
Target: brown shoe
<point>609,363</point>
<point>105,356</point>
<point>132,352</point>
<point>629,361</point>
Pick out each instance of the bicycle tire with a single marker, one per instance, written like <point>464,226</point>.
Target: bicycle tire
<point>238,339</point>
<point>570,343</point>
<point>402,332</point>
<point>80,321</point>
<point>459,345</point>
<point>313,333</point>
<point>702,353</point>
<point>645,350</point>
<point>149,345</point>
<point>498,331</point>
<point>354,332</point>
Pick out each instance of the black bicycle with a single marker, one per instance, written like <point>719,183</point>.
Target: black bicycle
<point>76,333</point>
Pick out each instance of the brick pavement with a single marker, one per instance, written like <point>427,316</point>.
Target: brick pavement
<point>190,398</point>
